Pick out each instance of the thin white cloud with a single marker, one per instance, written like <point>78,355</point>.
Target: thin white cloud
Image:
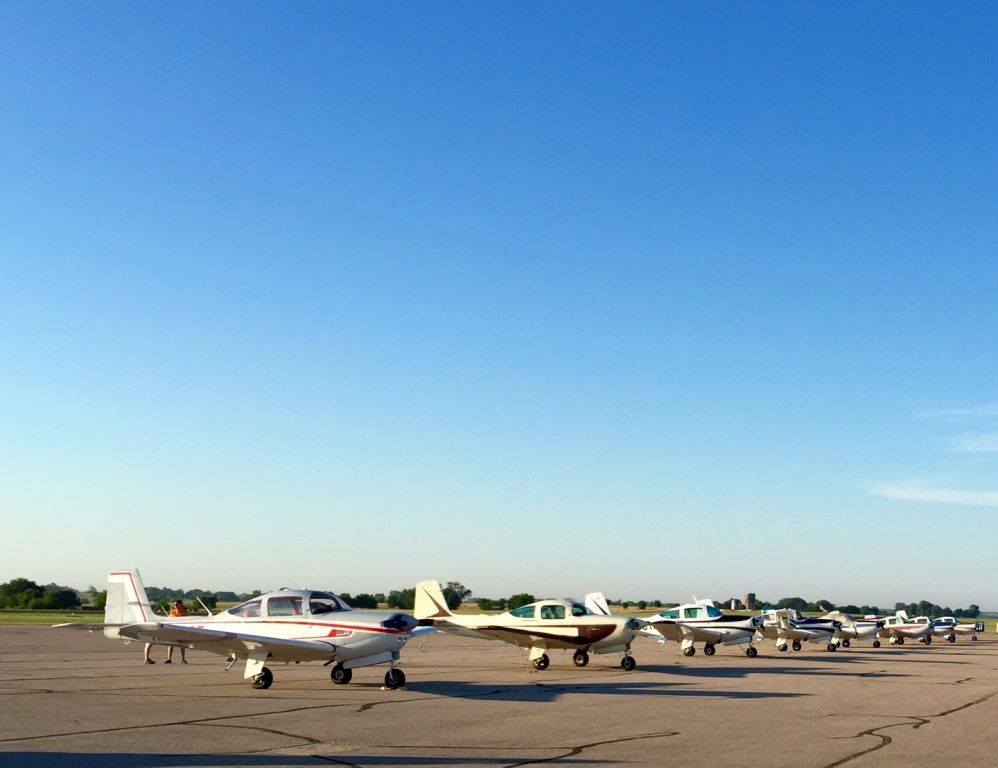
<point>975,442</point>
<point>950,496</point>
<point>982,412</point>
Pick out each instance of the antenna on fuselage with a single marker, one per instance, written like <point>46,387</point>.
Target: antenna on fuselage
<point>206,608</point>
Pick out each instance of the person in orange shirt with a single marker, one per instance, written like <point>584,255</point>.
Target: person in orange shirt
<point>177,610</point>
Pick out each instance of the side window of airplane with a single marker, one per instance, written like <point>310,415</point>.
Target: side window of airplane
<point>693,613</point>
<point>250,610</point>
<point>552,611</point>
<point>284,606</point>
<point>523,612</point>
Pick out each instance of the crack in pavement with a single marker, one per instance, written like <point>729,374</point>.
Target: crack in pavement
<point>575,751</point>
<point>306,739</point>
<point>915,721</point>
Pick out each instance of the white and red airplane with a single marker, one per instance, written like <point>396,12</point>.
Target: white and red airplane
<point>289,625</point>
<point>900,628</point>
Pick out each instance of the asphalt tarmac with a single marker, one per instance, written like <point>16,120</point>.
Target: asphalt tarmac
<point>70,699</point>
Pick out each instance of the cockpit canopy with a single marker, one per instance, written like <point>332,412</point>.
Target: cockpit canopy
<point>691,613</point>
<point>550,609</point>
<point>289,603</point>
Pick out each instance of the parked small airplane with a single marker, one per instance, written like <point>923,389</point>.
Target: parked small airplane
<point>899,628</point>
<point>540,626</point>
<point>787,624</point>
<point>289,625</point>
<point>856,629</point>
<point>698,622</point>
<point>948,627</point>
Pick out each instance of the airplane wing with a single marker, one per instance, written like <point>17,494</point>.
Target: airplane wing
<point>226,643</point>
<point>679,632</point>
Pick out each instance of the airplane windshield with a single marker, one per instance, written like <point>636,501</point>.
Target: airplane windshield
<point>523,612</point>
<point>712,612</point>
<point>323,602</point>
<point>670,614</point>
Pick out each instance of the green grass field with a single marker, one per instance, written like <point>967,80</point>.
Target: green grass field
<point>41,618</point>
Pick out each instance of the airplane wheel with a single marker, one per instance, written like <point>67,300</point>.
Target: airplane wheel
<point>876,643</point>
<point>831,646</point>
<point>973,637</point>
<point>846,643</point>
<point>782,648</point>
<point>900,641</point>
<point>542,663</point>
<point>797,646</point>
<point>689,651</point>
<point>628,663</point>
<point>928,641</point>
<point>751,652</point>
<point>263,680</point>
<point>580,659</point>
<point>709,650</point>
<point>340,675</point>
<point>951,639</point>
<point>394,678</point>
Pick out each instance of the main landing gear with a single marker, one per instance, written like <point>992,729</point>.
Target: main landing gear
<point>262,679</point>
<point>394,679</point>
<point>832,646</point>
<point>580,659</point>
<point>876,643</point>
<point>628,663</point>
<point>951,638</point>
<point>709,650</point>
<point>689,651</point>
<point>751,652</point>
<point>340,675</point>
<point>846,643</point>
<point>542,662</point>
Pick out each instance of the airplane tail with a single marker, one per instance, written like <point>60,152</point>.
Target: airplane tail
<point>596,603</point>
<point>430,601</point>
<point>127,602</point>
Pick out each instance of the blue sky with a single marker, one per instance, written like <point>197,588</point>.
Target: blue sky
<point>655,299</point>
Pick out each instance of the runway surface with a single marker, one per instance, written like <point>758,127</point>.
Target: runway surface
<point>70,699</point>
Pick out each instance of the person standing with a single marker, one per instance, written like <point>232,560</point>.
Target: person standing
<point>177,610</point>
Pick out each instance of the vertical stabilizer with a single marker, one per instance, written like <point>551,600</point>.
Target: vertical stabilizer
<point>127,602</point>
<point>430,602</point>
<point>596,603</point>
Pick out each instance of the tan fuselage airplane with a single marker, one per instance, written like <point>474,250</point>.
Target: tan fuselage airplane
<point>541,626</point>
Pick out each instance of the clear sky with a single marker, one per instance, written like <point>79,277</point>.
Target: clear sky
<point>653,298</point>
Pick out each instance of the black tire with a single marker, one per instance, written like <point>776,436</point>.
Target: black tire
<point>928,640</point>
<point>580,659</point>
<point>900,641</point>
<point>628,663</point>
<point>951,639</point>
<point>876,643</point>
<point>542,663</point>
<point>709,650</point>
<point>973,637</point>
<point>797,646</point>
<point>340,675</point>
<point>394,678</point>
<point>782,648</point>
<point>831,646</point>
<point>846,643</point>
<point>263,679</point>
<point>691,651</point>
<point>751,652</point>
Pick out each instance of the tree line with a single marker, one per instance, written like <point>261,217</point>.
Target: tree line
<point>26,594</point>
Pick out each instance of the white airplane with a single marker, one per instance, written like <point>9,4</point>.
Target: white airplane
<point>289,625</point>
<point>948,627</point>
<point>787,624</point>
<point>698,622</point>
<point>899,628</point>
<point>867,628</point>
<point>540,626</point>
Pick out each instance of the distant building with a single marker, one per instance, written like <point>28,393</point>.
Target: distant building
<point>734,604</point>
<point>749,601</point>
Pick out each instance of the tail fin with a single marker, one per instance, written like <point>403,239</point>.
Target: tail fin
<point>596,602</point>
<point>127,602</point>
<point>430,601</point>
